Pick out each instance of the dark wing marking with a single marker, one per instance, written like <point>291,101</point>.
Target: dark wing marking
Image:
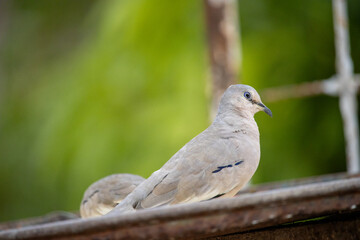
<point>219,168</point>
<point>92,194</point>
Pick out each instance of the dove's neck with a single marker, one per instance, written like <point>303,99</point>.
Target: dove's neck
<point>234,122</point>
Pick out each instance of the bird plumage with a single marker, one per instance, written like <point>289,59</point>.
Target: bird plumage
<point>217,162</point>
<point>103,195</point>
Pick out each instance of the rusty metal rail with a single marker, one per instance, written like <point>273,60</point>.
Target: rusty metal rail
<point>217,217</point>
<point>55,216</point>
<point>346,226</point>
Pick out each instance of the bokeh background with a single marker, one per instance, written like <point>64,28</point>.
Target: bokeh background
<point>91,88</point>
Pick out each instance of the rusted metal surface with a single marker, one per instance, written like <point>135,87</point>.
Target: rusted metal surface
<point>224,46</point>
<point>337,227</point>
<point>48,218</point>
<point>61,216</point>
<point>217,217</point>
<point>298,182</point>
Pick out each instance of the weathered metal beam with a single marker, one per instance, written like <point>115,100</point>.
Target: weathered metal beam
<point>337,227</point>
<point>61,216</point>
<point>348,100</point>
<point>211,218</point>
<point>48,218</point>
<point>224,46</point>
<point>297,182</point>
<point>329,87</point>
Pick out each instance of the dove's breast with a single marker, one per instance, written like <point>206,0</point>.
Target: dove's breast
<point>241,158</point>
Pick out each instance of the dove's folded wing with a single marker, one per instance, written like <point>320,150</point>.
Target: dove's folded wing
<point>211,169</point>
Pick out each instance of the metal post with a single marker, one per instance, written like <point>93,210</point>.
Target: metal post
<point>347,88</point>
<point>224,46</point>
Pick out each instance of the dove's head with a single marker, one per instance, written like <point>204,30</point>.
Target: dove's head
<point>242,99</point>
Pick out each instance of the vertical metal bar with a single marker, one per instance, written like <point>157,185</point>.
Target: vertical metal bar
<point>347,90</point>
<point>224,46</point>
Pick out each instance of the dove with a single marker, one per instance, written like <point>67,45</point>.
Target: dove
<point>103,195</point>
<point>216,163</point>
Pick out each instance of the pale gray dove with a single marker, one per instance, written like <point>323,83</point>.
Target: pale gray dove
<point>103,195</point>
<point>216,163</point>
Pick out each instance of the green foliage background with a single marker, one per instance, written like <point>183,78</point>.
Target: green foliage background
<point>91,88</point>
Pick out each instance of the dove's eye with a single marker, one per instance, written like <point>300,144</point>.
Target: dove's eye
<point>247,95</point>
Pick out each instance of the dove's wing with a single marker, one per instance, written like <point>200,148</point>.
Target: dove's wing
<point>210,166</point>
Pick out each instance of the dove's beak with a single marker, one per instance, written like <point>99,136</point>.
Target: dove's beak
<point>265,109</point>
